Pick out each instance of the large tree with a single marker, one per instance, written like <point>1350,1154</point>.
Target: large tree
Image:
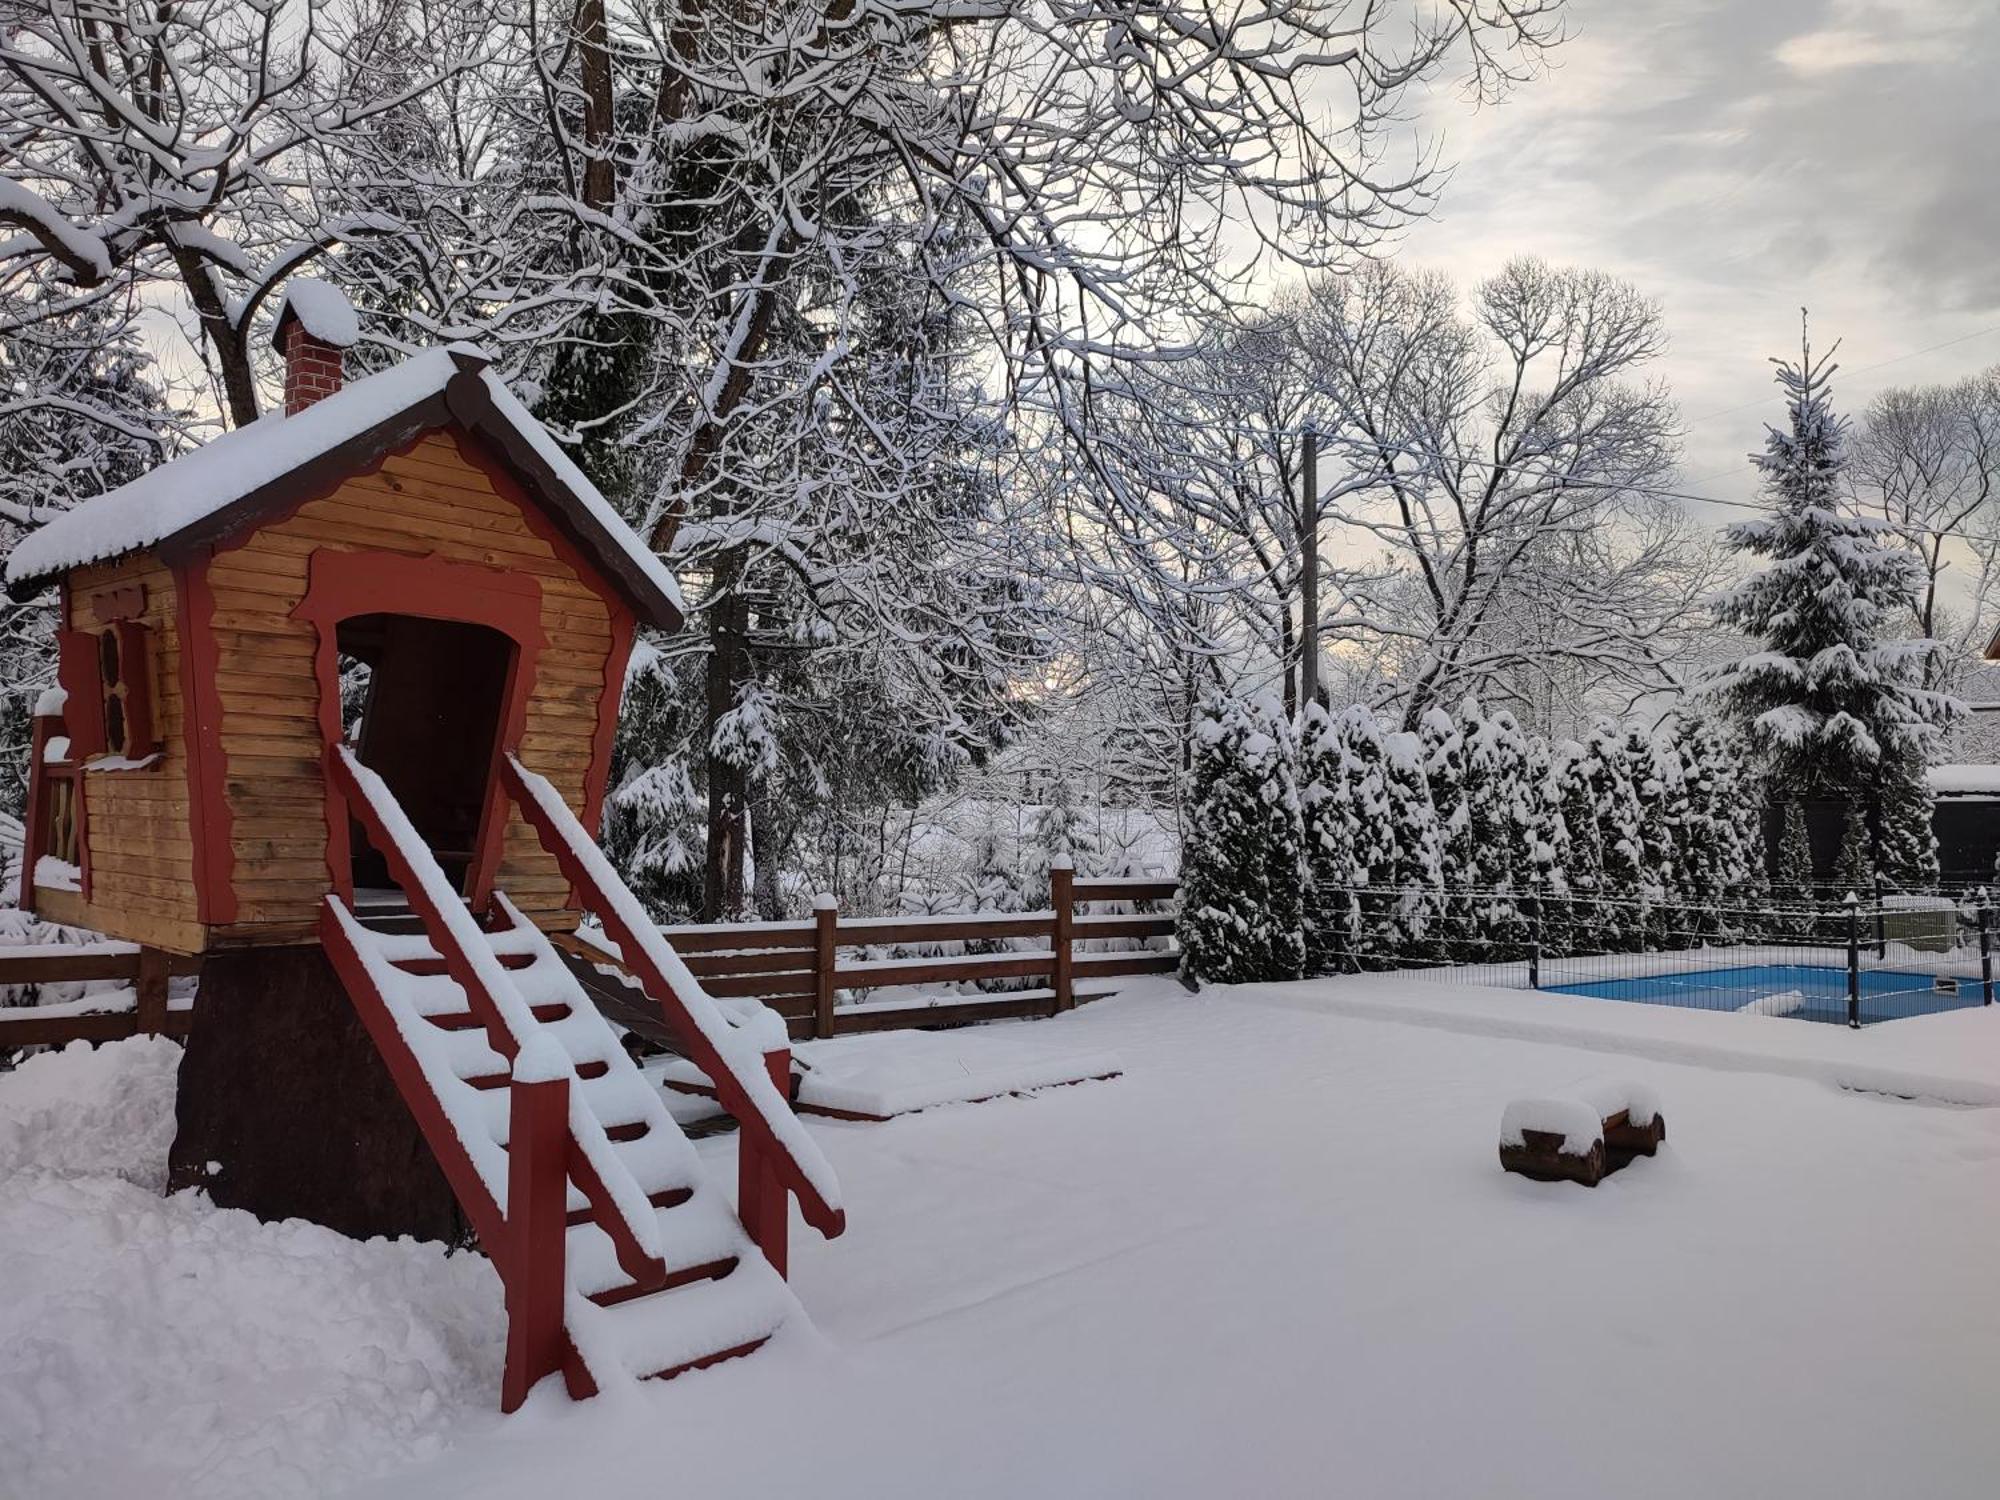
<point>177,150</point>
<point>1927,461</point>
<point>1835,700</point>
<point>733,205</point>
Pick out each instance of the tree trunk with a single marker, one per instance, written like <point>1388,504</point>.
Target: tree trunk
<point>222,335</point>
<point>1288,652</point>
<point>594,72</point>
<point>767,842</point>
<point>286,1109</point>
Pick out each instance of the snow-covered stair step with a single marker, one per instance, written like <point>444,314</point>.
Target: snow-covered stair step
<point>658,1275</point>
<point>416,950</point>
<point>683,1327</point>
<point>699,1237</point>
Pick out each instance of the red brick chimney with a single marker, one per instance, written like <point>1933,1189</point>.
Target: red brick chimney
<point>316,325</point>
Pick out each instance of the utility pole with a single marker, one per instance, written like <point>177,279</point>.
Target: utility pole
<point>1309,573</point>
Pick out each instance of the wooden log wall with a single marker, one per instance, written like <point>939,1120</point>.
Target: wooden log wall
<point>434,500</point>
<point>136,820</point>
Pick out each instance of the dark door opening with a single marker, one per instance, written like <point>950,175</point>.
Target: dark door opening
<point>421,705</point>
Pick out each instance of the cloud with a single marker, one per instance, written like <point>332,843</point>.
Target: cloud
<point>1818,53</point>
<point>1854,174</point>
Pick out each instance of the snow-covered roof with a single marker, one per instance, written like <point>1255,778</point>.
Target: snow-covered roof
<point>225,485</point>
<point>1964,781</point>
<point>322,310</point>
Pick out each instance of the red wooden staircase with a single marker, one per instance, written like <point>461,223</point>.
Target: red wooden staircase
<point>619,1258</point>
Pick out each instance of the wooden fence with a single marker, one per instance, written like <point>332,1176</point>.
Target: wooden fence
<point>101,1019</point>
<point>799,968</point>
<point>796,968</point>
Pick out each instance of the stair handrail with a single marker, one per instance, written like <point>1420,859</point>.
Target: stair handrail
<point>622,1210</point>
<point>732,1062</point>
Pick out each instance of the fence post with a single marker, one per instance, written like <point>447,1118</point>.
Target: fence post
<point>1853,960</point>
<point>150,985</point>
<point>826,914</point>
<point>1534,942</point>
<point>1985,949</point>
<point>1881,923</point>
<point>1062,896</point>
<point>761,1202</point>
<point>34,821</point>
<point>537,1219</point>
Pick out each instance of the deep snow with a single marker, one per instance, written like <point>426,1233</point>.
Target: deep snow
<point>1277,1257</point>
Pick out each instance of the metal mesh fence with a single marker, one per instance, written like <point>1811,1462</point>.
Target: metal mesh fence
<point>1824,958</point>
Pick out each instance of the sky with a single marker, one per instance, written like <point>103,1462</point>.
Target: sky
<point>1739,159</point>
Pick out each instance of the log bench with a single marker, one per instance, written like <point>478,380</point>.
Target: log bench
<point>1583,1137</point>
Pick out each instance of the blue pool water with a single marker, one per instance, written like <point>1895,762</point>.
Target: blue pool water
<point>1886,995</point>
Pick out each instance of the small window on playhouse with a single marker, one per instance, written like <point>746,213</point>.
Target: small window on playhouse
<point>124,677</point>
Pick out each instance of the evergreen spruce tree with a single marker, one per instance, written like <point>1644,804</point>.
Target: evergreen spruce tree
<point>995,883</point>
<point>1240,888</point>
<point>1501,821</point>
<point>1792,889</point>
<point>1832,703</point>
<point>1274,754</point>
<point>1332,865</point>
<point>1853,874</point>
<point>1614,798</point>
<point>1549,851</point>
<point>1445,769</point>
<point>1659,781</point>
<point>1373,832</point>
<point>1058,831</point>
<point>1575,801</point>
<point>1908,849</point>
<point>1407,927</point>
<point>1720,838</point>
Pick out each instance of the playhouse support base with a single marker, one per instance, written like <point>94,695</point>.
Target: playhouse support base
<point>286,1109</point>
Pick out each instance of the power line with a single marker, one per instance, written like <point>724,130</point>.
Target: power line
<point>1880,364</point>
<point>1657,492</point>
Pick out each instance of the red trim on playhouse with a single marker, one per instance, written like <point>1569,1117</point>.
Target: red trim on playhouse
<point>623,623</point>
<point>341,585</point>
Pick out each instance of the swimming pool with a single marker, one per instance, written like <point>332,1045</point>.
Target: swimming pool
<point>1805,992</point>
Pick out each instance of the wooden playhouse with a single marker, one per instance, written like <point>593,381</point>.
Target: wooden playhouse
<point>338,694</point>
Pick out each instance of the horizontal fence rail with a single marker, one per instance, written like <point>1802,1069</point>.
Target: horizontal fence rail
<point>799,969</point>
<point>143,1007</point>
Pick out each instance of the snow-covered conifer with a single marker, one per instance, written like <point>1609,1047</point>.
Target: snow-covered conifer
<point>1406,927</point>
<point>1333,867</point>
<point>1240,887</point>
<point>1499,850</point>
<point>1907,844</point>
<point>1832,696</point>
<point>1791,887</point>
<point>1620,898</point>
<point>1854,871</point>
<point>1546,878</point>
<point>1583,866</point>
<point>1057,831</point>
<point>1659,781</point>
<point>1446,771</point>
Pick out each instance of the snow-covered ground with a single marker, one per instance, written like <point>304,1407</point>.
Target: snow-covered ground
<point>1276,1258</point>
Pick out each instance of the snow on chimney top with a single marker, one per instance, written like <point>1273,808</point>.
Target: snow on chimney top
<point>316,325</point>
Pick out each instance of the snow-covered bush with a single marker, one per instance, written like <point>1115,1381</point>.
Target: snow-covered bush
<point>1241,901</point>
<point>1403,915</point>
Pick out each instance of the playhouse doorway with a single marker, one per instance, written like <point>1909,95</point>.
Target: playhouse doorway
<point>421,703</point>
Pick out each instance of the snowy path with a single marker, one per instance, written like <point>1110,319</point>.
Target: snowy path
<point>1276,1258</point>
